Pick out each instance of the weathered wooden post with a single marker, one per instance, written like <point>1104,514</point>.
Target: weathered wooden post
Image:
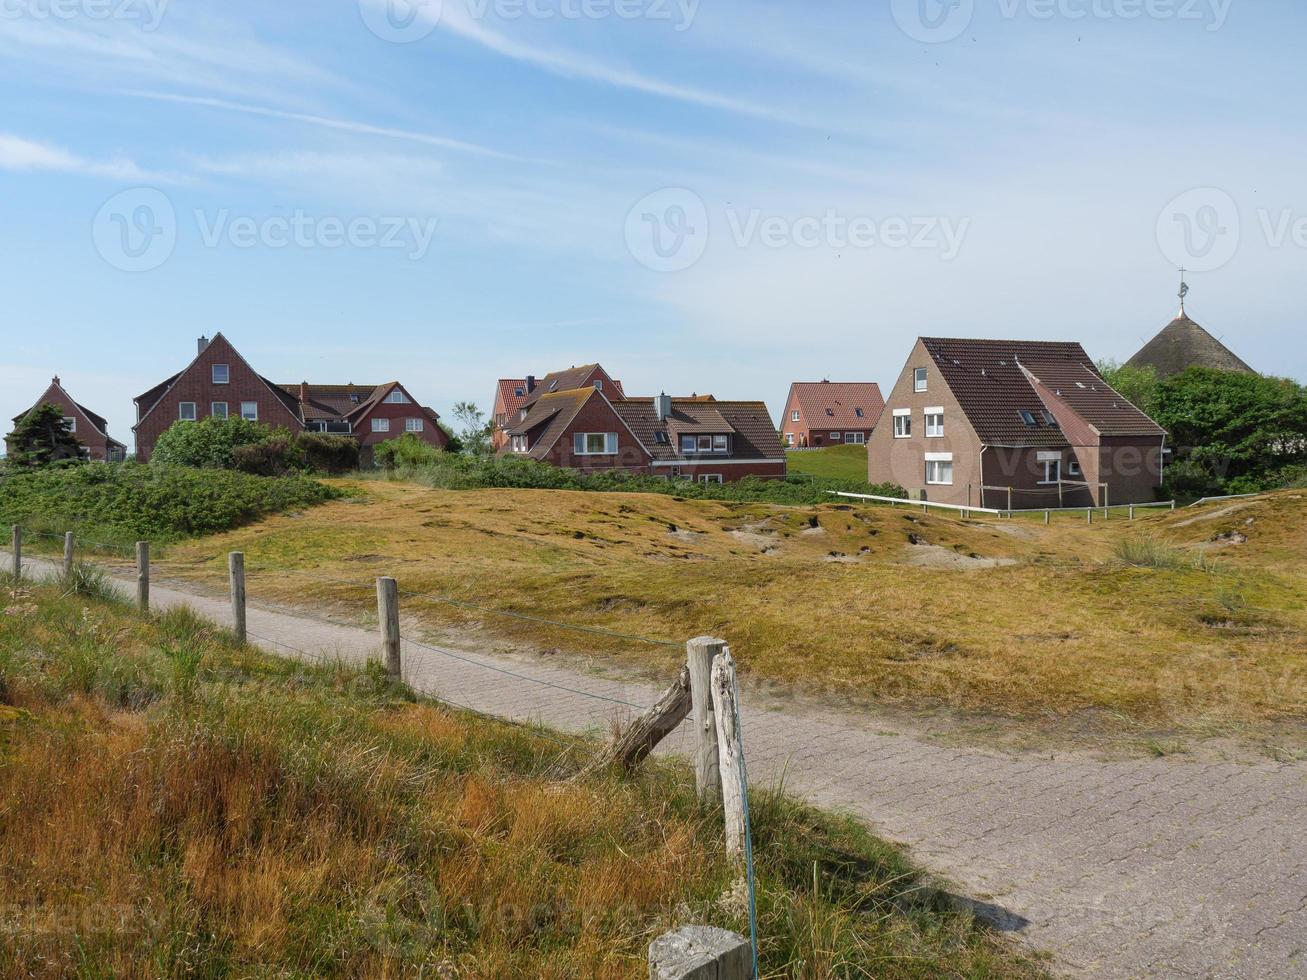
<point>388,618</point>
<point>700,953</point>
<point>1009,501</point>
<point>236,576</point>
<point>700,653</point>
<point>18,553</point>
<point>729,751</point>
<point>1173,505</point>
<point>1047,517</point>
<point>1089,515</point>
<point>143,576</point>
<point>68,554</point>
<point>1132,512</point>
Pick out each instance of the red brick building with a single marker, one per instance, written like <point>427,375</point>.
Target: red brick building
<point>220,383</point>
<point>1020,424</point>
<point>676,438</point>
<point>830,413</point>
<point>87,427</point>
<point>514,395</point>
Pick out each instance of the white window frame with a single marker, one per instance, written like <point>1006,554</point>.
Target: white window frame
<point>919,379</point>
<point>1051,467</point>
<point>789,438</point>
<point>381,425</point>
<point>215,413</point>
<point>710,478</point>
<point>181,412</point>
<point>226,374</point>
<point>836,437</point>
<point>902,423</point>
<point>855,438</point>
<point>397,397</point>
<point>599,383</point>
<point>1073,467</point>
<point>250,416</point>
<point>935,463</point>
<point>413,425</point>
<point>794,416</point>
<point>934,430</point>
<point>519,444</point>
<point>71,422</point>
<point>581,443</point>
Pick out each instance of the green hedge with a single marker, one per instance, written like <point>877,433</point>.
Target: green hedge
<point>454,472</point>
<point>121,503</point>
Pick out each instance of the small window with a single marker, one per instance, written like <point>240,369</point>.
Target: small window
<point>1052,471</point>
<point>1029,419</point>
<point>519,392</point>
<point>250,411</point>
<point>1073,467</point>
<point>919,379</point>
<point>902,426</point>
<point>660,437</point>
<point>689,444</point>
<point>719,444</point>
<point>381,425</point>
<point>221,374</point>
<point>396,397</point>
<point>939,472</point>
<point>834,437</point>
<point>599,384</point>
<point>858,412</point>
<point>353,397</point>
<point>594,443</point>
<point>934,425</point>
<point>830,412</point>
<point>1050,419</point>
<point>519,444</point>
<point>186,411</point>
<point>789,438</point>
<point>412,425</point>
<point>794,416</point>
<point>855,438</point>
<point>710,478</point>
<point>71,423</point>
<point>218,410</point>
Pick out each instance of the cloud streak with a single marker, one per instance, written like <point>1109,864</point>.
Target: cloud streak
<point>28,156</point>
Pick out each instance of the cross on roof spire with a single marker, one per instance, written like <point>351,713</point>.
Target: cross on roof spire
<point>1184,289</point>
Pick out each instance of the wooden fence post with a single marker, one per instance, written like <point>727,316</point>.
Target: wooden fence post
<point>388,618</point>
<point>1132,512</point>
<point>633,746</point>
<point>729,751</point>
<point>1089,515</point>
<point>18,554</point>
<point>236,576</point>
<point>143,576</point>
<point>1047,517</point>
<point>1009,501</point>
<point>68,554</point>
<point>700,653</point>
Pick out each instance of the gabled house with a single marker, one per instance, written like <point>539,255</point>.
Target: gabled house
<point>220,383</point>
<point>1013,424</point>
<point>676,438</point>
<point>830,413</point>
<point>513,395</point>
<point>87,427</point>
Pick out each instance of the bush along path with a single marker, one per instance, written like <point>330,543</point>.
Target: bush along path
<point>1157,866</point>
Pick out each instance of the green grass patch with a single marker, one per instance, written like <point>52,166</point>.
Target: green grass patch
<point>193,807</point>
<point>832,463</point>
<point>117,504</point>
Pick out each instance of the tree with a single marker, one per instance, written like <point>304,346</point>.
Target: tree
<point>1137,384</point>
<point>209,443</point>
<point>475,432</point>
<point>42,437</point>
<point>1244,431</point>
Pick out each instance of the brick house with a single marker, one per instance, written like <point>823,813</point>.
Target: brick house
<point>87,427</point>
<point>830,413</point>
<point>513,395</point>
<point>676,438</point>
<point>970,419</point>
<point>220,383</point>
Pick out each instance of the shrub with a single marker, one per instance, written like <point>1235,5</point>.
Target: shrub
<point>405,452</point>
<point>324,453</point>
<point>119,504</point>
<point>209,444</point>
<point>271,457</point>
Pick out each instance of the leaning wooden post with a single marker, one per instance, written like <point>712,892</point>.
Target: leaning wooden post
<point>236,576</point>
<point>143,576</point>
<point>18,553</point>
<point>388,617</point>
<point>729,751</point>
<point>68,554</point>
<point>700,653</point>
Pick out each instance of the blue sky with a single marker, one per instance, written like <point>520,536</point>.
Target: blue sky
<point>714,196</point>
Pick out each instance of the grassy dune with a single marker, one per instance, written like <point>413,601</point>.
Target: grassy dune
<point>173,804</point>
<point>873,603</point>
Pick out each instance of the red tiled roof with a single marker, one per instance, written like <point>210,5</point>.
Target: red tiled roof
<point>551,414</point>
<point>837,403</point>
<point>509,397</point>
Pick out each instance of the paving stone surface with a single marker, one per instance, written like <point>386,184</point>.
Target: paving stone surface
<point>1158,867</point>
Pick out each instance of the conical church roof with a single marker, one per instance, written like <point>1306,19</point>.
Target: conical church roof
<point>1183,344</point>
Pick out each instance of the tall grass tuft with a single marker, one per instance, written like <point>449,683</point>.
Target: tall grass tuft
<point>1146,552</point>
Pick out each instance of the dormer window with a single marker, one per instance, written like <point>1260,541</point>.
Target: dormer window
<point>705,444</point>
<point>354,398</point>
<point>519,444</point>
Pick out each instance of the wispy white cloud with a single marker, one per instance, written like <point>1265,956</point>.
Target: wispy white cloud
<point>20,154</point>
<point>328,122</point>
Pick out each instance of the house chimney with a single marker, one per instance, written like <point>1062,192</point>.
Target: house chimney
<point>662,406</point>
<point>202,343</point>
<point>304,391</point>
<point>530,383</point>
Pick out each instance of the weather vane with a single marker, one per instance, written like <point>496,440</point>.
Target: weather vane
<point>1184,289</point>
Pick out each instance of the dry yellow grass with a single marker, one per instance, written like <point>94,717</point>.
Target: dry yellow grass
<point>887,605</point>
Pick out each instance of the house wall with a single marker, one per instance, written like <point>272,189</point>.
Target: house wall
<point>195,385</point>
<point>903,461</point>
<point>1131,468</point>
<point>1022,470</point>
<point>97,446</point>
